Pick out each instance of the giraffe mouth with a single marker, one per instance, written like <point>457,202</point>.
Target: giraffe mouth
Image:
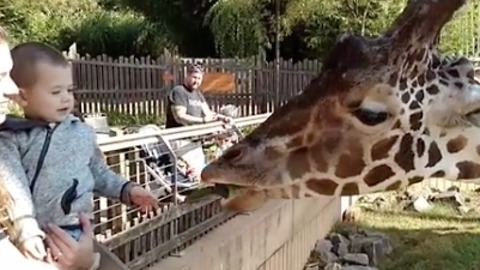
<point>223,190</point>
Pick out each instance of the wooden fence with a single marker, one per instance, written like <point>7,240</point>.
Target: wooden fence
<point>138,86</point>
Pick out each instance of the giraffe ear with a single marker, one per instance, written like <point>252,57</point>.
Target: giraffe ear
<point>421,21</point>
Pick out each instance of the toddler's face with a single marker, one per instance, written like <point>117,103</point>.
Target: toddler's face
<point>51,98</point>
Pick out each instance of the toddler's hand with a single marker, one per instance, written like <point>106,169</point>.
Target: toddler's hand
<point>143,198</point>
<point>34,248</point>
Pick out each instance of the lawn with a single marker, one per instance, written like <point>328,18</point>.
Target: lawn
<point>440,239</point>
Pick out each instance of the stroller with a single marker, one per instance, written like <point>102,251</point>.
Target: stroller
<point>160,165</point>
<point>185,157</point>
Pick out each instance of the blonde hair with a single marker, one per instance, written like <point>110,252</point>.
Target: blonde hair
<point>6,201</point>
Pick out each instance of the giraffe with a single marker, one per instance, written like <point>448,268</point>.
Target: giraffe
<point>384,113</point>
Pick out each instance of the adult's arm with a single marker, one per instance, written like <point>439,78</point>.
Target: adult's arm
<point>179,103</point>
<point>15,181</point>
<point>209,114</point>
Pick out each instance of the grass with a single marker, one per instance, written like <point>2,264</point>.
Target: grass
<point>440,239</point>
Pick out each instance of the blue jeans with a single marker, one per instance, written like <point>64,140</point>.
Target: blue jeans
<point>74,231</point>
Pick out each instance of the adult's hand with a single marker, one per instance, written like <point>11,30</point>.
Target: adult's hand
<point>68,254</point>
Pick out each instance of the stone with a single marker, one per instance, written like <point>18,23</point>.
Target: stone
<point>425,192</point>
<point>463,209</point>
<point>333,266</point>
<point>322,253</point>
<point>421,205</point>
<point>376,247</point>
<point>352,214</point>
<point>340,244</point>
<point>450,197</point>
<point>356,258</point>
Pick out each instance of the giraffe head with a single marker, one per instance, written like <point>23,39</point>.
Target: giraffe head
<point>383,113</point>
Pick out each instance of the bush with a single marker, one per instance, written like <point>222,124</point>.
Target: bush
<point>119,33</point>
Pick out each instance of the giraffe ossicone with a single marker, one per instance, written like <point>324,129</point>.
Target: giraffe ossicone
<point>383,113</point>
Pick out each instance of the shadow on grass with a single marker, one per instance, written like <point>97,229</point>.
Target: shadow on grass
<point>425,241</point>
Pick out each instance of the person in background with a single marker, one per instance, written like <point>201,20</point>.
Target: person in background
<point>186,104</point>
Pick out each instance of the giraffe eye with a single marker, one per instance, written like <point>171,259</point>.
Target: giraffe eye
<point>370,118</point>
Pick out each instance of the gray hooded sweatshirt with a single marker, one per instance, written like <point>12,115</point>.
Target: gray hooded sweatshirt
<point>52,171</point>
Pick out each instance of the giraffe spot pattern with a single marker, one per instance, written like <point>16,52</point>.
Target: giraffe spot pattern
<point>457,144</point>
<point>393,79</point>
<point>444,82</point>
<point>468,170</point>
<point>416,120</point>
<point>405,97</point>
<point>420,147</point>
<point>433,89</point>
<point>434,155</point>
<point>438,174</point>
<point>454,73</point>
<point>403,84</point>
<point>405,155</point>
<point>430,76</point>
<point>421,80</point>
<point>280,129</point>
<point>350,189</point>
<point>318,158</point>
<point>381,149</point>
<point>394,186</point>
<point>351,163</point>
<point>322,186</point>
<point>397,124</point>
<point>414,105</point>
<point>419,96</point>
<point>477,148</point>
<point>415,179</point>
<point>331,143</point>
<point>442,75</point>
<point>459,85</point>
<point>378,175</point>
<point>297,163</point>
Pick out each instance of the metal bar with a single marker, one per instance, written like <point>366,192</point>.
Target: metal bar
<point>169,134</point>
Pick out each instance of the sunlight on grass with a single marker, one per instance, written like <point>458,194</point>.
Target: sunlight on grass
<point>437,240</point>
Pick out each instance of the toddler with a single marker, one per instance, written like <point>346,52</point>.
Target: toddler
<point>49,160</point>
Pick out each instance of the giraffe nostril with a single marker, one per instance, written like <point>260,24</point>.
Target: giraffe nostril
<point>233,154</point>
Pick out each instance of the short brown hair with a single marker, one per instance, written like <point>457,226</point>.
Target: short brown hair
<point>195,68</point>
<point>27,56</point>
